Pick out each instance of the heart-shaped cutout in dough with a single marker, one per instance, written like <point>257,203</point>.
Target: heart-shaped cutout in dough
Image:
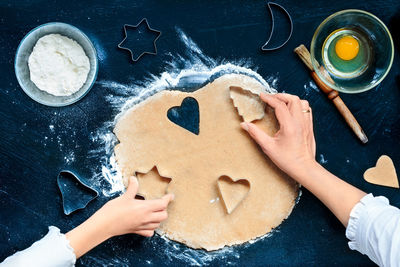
<point>233,192</point>
<point>383,174</point>
<point>186,115</point>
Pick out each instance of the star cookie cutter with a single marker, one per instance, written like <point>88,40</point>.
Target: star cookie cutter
<point>128,26</point>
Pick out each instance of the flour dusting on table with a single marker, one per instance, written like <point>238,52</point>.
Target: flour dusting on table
<point>184,72</point>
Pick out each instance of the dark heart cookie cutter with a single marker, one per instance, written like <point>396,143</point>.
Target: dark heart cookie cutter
<point>75,193</point>
<point>134,27</point>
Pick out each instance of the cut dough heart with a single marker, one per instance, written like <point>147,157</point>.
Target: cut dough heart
<point>383,174</point>
<point>248,103</point>
<point>186,115</point>
<point>151,184</point>
<point>233,192</point>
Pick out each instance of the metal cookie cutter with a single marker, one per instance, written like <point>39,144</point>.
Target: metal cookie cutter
<point>127,26</point>
<point>269,4</point>
<point>75,193</point>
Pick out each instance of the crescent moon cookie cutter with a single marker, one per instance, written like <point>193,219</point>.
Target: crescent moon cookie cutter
<point>134,27</point>
<point>269,4</point>
<point>75,193</point>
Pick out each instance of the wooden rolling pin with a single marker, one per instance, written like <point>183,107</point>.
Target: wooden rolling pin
<point>333,95</point>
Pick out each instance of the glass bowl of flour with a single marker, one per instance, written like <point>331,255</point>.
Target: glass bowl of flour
<point>56,64</point>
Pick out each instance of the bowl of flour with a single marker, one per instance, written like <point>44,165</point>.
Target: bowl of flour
<point>56,64</point>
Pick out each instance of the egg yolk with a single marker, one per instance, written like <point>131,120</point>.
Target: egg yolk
<point>347,48</point>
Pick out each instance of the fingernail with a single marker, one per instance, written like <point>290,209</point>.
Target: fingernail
<point>173,197</point>
<point>244,126</point>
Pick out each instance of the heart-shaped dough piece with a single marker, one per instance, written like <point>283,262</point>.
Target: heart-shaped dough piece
<point>383,174</point>
<point>233,192</point>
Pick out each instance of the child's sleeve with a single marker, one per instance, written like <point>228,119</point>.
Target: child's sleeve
<point>374,230</point>
<point>52,250</point>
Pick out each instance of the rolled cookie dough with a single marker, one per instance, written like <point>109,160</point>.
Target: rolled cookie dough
<point>197,216</point>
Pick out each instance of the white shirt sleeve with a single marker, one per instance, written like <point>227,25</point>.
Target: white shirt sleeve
<point>50,251</point>
<point>374,230</point>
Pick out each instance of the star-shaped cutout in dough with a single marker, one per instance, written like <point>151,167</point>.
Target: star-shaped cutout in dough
<point>151,184</point>
<point>137,40</point>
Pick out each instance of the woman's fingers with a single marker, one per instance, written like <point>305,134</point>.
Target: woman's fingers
<point>263,139</point>
<point>305,110</point>
<point>308,119</point>
<point>311,135</point>
<point>304,105</point>
<point>281,109</point>
<point>293,102</point>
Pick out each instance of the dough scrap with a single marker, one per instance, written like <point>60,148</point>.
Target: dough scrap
<point>248,103</point>
<point>233,192</point>
<point>151,184</point>
<point>383,174</point>
<point>197,217</point>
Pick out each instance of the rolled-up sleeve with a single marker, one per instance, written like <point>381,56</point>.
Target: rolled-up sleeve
<point>50,251</point>
<point>374,230</point>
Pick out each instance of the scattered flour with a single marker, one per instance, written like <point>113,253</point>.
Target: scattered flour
<point>310,86</point>
<point>69,158</point>
<point>273,81</point>
<point>214,200</point>
<point>191,70</point>
<point>322,159</point>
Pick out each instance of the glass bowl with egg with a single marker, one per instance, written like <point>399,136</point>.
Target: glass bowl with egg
<point>56,64</point>
<point>352,51</point>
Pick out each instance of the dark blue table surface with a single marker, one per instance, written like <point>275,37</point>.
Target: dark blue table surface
<point>31,154</point>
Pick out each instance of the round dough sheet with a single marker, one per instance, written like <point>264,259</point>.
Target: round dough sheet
<point>151,145</point>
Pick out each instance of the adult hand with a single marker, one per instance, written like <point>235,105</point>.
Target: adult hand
<point>293,146</point>
<point>292,149</point>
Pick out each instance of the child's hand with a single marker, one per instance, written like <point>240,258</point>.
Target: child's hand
<point>129,215</point>
<point>119,216</point>
<point>293,146</point>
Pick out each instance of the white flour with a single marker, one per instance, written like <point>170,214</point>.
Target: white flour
<point>58,65</point>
